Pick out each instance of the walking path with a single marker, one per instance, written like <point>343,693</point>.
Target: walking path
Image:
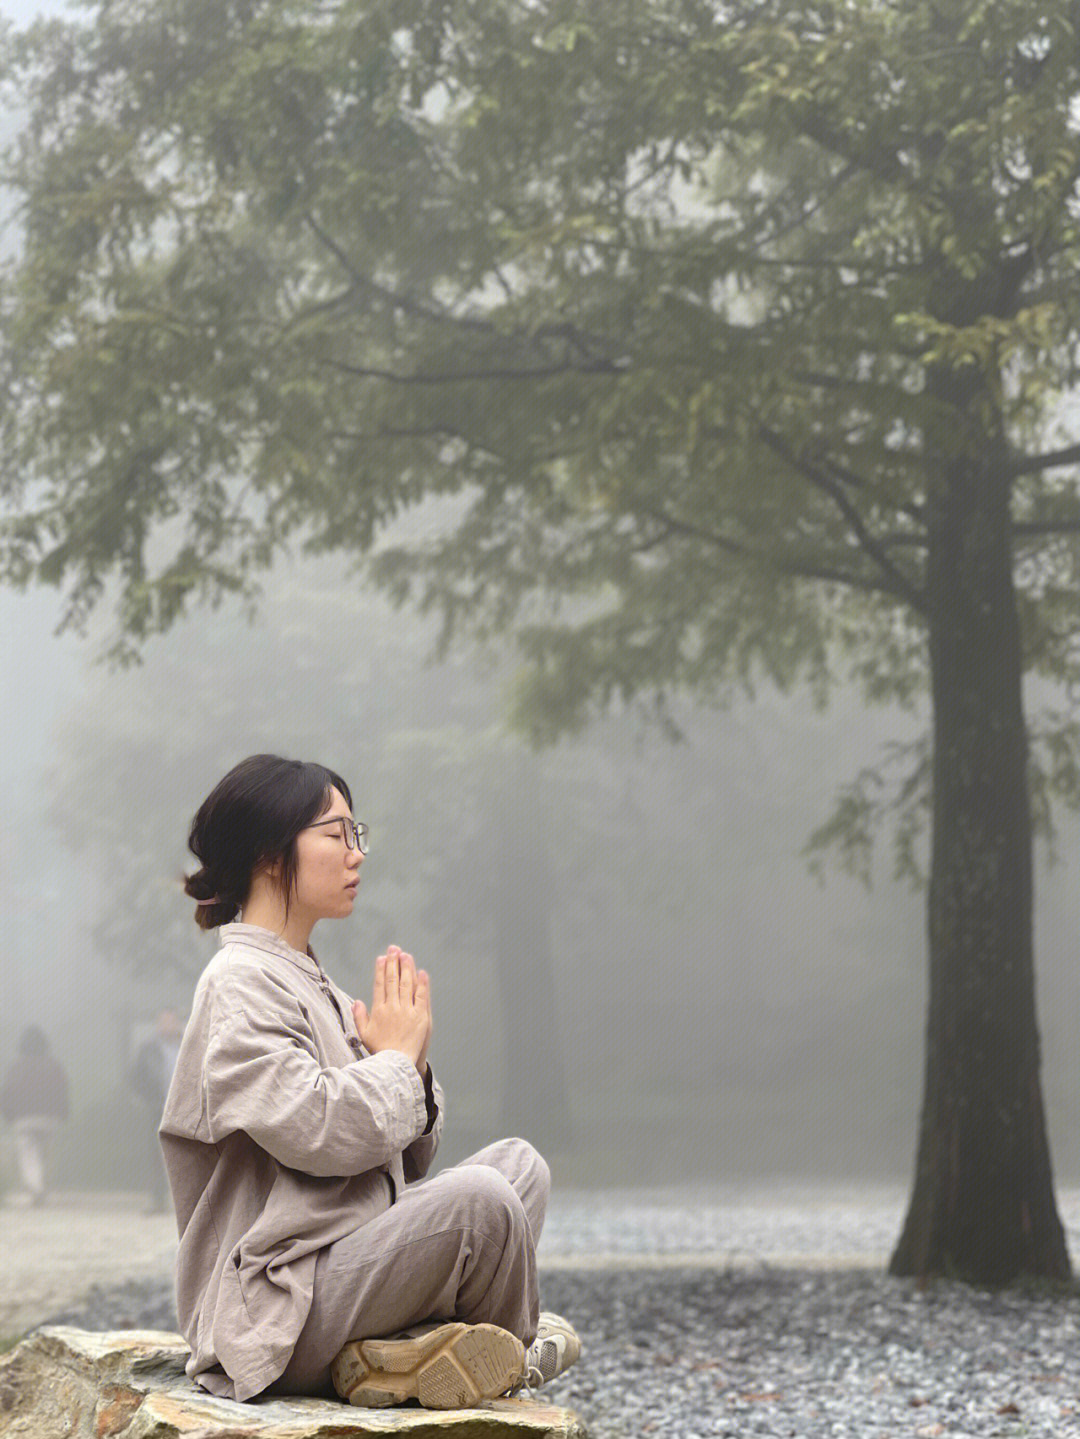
<point>50,1257</point>
<point>704,1314</point>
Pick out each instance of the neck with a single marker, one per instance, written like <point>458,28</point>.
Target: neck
<point>265,907</point>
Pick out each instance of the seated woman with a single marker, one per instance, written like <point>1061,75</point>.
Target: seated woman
<point>298,1125</point>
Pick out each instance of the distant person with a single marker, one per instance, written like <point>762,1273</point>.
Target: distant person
<point>34,1101</point>
<point>149,1078</point>
<point>297,1126</point>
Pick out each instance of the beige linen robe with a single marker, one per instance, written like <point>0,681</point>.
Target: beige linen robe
<point>278,1140</point>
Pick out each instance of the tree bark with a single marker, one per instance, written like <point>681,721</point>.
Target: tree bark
<point>534,1101</point>
<point>982,1207</point>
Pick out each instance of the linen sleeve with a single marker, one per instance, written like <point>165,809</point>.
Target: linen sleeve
<point>262,1075</point>
<point>417,1158</point>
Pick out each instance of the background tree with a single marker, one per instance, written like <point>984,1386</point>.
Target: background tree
<point>663,862</point>
<point>725,337</point>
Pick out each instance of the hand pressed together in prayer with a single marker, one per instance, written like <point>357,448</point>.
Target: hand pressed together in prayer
<point>400,1014</point>
<point>330,1142</point>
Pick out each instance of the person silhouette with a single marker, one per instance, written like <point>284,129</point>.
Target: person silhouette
<point>34,1100</point>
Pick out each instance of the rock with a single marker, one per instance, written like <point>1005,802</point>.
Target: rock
<point>64,1383</point>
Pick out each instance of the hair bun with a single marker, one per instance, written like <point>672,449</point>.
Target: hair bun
<point>212,909</point>
<point>200,886</point>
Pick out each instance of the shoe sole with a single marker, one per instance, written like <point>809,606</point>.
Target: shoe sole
<point>452,1366</point>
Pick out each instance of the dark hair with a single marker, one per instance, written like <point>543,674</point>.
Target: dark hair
<point>33,1041</point>
<point>249,819</point>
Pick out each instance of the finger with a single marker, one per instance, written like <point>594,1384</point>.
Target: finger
<point>360,1016</point>
<point>408,975</point>
<point>423,990</point>
<point>379,993</point>
<point>404,959</point>
<point>393,980</point>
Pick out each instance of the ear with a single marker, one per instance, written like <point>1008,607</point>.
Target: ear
<point>266,879</point>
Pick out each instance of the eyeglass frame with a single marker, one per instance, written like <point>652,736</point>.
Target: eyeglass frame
<point>358,836</point>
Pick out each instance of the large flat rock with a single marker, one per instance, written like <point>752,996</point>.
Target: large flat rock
<point>130,1384</point>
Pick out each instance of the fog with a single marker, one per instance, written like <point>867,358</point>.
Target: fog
<point>678,998</point>
<point>631,960</point>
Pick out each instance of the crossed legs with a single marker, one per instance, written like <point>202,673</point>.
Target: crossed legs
<point>459,1246</point>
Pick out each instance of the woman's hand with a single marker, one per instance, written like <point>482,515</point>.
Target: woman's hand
<point>400,1016</point>
<point>422,994</point>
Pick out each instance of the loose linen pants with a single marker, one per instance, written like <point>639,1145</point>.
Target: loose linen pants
<point>459,1246</point>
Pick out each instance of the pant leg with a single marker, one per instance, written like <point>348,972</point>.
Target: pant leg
<point>527,1173</point>
<point>28,1158</point>
<point>31,1143</point>
<point>459,1246</point>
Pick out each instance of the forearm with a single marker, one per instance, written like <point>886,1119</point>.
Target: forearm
<point>322,1121</point>
<point>418,1156</point>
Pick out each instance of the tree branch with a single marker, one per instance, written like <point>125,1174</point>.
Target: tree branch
<point>897,581</point>
<point>1032,464</point>
<point>1046,527</point>
<point>856,582</point>
<point>795,568</point>
<point>563,330</point>
<point>882,163</point>
<point>397,432</point>
<point>495,372</point>
<point>698,532</point>
<point>397,301</point>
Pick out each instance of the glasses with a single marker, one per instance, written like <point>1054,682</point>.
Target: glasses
<point>355,835</point>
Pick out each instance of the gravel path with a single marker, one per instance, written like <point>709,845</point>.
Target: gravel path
<point>696,1324</point>
<point>793,1225</point>
<point>50,1257</point>
<point>794,1353</point>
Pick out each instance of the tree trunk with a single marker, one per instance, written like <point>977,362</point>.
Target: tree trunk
<point>534,1102</point>
<point>983,1207</point>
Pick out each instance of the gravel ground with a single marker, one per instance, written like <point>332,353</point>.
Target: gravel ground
<point>695,1323</point>
<point>50,1257</point>
<point>791,1225</point>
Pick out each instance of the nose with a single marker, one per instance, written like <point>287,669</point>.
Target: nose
<point>353,858</point>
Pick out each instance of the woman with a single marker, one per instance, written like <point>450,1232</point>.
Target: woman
<point>297,1126</point>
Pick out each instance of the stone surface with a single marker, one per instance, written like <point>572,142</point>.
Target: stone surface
<point>130,1384</point>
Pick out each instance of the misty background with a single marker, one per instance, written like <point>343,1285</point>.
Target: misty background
<point>632,962</point>
<point>700,1006</point>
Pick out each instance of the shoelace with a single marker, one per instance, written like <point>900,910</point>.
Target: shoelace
<point>546,1365</point>
<point>540,1365</point>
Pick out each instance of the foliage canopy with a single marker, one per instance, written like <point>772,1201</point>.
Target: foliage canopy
<point>651,291</point>
<point>617,326</point>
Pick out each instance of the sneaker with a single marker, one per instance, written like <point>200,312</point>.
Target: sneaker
<point>554,1349</point>
<point>444,1366</point>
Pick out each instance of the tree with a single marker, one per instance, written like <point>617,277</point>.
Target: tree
<point>723,340</point>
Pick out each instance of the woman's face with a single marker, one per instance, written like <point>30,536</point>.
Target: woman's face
<point>327,870</point>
